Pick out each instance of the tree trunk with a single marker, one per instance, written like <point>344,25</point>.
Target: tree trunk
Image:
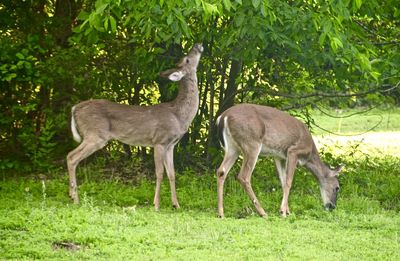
<point>64,14</point>
<point>231,88</point>
<point>227,101</point>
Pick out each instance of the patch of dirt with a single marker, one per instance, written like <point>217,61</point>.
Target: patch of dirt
<point>71,246</point>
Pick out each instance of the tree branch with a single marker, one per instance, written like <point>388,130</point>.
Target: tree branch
<point>332,94</point>
<point>318,94</point>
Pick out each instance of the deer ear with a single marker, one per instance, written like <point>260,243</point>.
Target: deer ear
<point>337,170</point>
<point>340,167</point>
<point>176,76</point>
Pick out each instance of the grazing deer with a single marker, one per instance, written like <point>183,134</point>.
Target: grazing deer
<point>160,126</point>
<point>254,129</point>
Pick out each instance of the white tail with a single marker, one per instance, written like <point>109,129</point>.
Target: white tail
<point>160,126</point>
<point>252,130</point>
<point>75,133</point>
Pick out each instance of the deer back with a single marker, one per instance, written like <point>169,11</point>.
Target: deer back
<point>277,131</point>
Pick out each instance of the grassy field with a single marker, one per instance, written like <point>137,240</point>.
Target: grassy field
<point>356,121</point>
<point>115,220</point>
<point>361,132</point>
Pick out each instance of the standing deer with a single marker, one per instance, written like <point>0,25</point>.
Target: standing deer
<point>253,130</point>
<point>160,126</point>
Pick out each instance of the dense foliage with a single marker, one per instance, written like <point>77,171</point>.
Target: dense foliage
<point>290,54</point>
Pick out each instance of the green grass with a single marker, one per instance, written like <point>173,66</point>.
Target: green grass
<point>356,121</point>
<point>112,233</point>
<point>365,132</point>
<point>116,221</point>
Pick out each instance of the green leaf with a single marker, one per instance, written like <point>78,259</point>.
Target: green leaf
<point>210,9</point>
<point>92,38</point>
<point>364,61</point>
<point>263,12</point>
<point>113,24</point>
<point>358,4</point>
<point>106,24</point>
<point>326,25</point>
<point>100,7</point>
<point>83,15</point>
<point>336,42</point>
<point>322,38</point>
<point>170,19</point>
<point>256,3</point>
<point>10,76</point>
<point>83,24</point>
<point>227,4</point>
<point>20,56</point>
<point>376,75</point>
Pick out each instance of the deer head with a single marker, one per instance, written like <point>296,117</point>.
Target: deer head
<point>186,65</point>
<point>329,187</point>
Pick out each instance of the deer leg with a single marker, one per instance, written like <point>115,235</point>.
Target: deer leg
<point>84,150</point>
<point>169,167</point>
<point>291,163</point>
<point>249,162</point>
<point>230,158</point>
<point>281,169</point>
<point>159,154</point>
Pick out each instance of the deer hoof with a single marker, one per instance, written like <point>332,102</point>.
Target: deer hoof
<point>284,213</point>
<point>75,199</point>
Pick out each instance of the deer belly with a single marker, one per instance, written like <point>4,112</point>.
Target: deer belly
<point>265,150</point>
<point>134,138</point>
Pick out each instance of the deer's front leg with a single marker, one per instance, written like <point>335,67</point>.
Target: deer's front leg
<point>159,154</point>
<point>281,169</point>
<point>169,167</point>
<point>291,163</point>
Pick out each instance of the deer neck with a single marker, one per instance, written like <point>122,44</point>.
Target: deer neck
<point>186,103</point>
<point>316,166</point>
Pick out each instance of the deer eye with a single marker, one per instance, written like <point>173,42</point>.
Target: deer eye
<point>337,189</point>
<point>187,60</point>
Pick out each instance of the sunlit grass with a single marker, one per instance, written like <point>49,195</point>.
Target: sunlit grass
<point>356,121</point>
<point>379,144</point>
<point>367,132</point>
<point>34,226</point>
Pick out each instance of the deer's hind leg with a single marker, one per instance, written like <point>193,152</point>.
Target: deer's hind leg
<point>250,156</point>
<point>84,150</point>
<point>230,157</point>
